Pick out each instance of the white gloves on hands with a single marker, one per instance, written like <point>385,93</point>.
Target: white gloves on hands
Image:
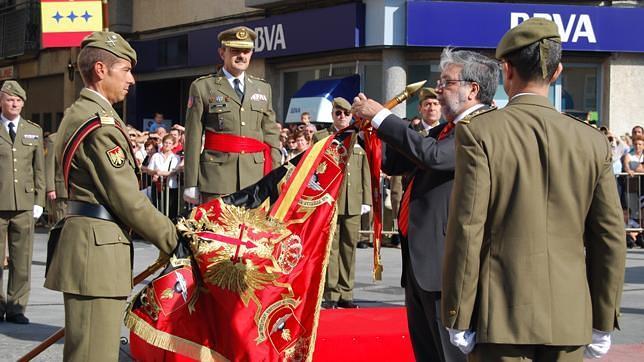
<point>364,209</point>
<point>37,211</point>
<point>464,340</point>
<point>599,346</point>
<point>191,195</point>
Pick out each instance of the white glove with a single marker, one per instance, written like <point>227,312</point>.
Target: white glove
<point>191,195</point>
<point>464,340</point>
<point>37,211</point>
<point>364,209</point>
<point>599,346</point>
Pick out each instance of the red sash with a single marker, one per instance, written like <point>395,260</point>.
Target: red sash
<point>238,144</point>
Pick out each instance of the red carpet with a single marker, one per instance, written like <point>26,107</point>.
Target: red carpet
<point>365,334</point>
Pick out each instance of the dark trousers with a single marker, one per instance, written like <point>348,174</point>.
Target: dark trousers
<point>429,339</point>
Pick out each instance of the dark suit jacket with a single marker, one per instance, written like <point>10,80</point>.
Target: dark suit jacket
<point>431,163</point>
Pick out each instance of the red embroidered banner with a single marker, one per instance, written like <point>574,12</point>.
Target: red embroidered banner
<point>252,289</point>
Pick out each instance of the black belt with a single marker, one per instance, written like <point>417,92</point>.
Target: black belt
<point>81,208</point>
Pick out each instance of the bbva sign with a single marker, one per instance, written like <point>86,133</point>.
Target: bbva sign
<point>577,26</point>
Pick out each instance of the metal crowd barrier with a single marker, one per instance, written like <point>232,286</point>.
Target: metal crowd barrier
<point>630,190</point>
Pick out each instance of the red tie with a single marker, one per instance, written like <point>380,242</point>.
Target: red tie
<point>403,214</point>
<point>446,130</point>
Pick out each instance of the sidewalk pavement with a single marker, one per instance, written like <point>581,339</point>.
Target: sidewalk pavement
<point>46,307</point>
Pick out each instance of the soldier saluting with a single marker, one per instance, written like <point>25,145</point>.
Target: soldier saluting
<point>233,110</point>
<point>92,262</point>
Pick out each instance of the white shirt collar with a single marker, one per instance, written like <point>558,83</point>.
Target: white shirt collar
<point>100,95</point>
<point>467,111</point>
<point>5,122</point>
<point>231,78</point>
<point>426,126</point>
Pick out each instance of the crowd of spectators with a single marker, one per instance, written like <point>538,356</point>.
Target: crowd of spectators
<point>628,167</point>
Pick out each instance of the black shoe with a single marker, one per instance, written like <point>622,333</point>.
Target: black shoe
<point>347,304</point>
<point>329,304</point>
<point>18,319</point>
<point>362,244</point>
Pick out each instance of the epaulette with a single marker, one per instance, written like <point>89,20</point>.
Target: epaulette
<point>33,123</point>
<point>205,76</point>
<point>580,120</point>
<point>257,78</point>
<point>467,119</point>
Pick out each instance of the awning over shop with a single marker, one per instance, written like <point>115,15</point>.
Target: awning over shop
<point>316,97</point>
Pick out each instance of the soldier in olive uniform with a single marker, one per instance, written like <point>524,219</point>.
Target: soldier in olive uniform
<point>534,253</point>
<point>92,263</point>
<point>429,110</point>
<point>354,200</point>
<point>56,192</point>
<point>233,110</point>
<point>22,186</point>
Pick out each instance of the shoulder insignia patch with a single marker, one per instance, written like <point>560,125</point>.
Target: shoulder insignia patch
<point>205,77</point>
<point>116,156</point>
<point>478,112</point>
<point>107,121</point>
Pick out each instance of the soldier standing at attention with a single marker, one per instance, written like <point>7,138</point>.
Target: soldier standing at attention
<point>92,262</point>
<point>22,187</point>
<point>234,111</point>
<point>354,200</point>
<point>534,254</point>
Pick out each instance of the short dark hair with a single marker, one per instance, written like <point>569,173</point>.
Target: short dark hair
<point>527,61</point>
<point>89,56</point>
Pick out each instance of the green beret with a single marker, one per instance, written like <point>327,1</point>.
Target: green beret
<point>12,88</point>
<point>112,42</point>
<point>341,103</point>
<point>239,37</point>
<point>528,32</point>
<point>427,92</point>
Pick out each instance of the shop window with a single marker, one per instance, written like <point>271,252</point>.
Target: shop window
<point>46,122</point>
<point>35,117</point>
<point>173,51</point>
<point>579,91</point>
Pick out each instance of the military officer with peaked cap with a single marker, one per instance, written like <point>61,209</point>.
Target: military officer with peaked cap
<point>234,111</point>
<point>92,263</point>
<point>534,256</point>
<point>22,186</point>
<point>354,199</point>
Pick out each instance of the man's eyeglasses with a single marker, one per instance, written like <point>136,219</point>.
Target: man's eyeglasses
<point>442,83</point>
<point>338,113</point>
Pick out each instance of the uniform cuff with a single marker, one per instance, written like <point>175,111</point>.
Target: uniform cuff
<point>379,117</point>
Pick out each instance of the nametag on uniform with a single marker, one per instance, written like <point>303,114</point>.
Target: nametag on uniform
<point>31,136</point>
<point>258,97</point>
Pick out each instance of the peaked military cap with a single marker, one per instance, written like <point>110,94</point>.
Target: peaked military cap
<point>528,32</point>
<point>341,103</point>
<point>427,92</point>
<point>239,37</point>
<point>112,42</point>
<point>12,88</point>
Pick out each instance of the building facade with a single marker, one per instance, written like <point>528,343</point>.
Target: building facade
<point>388,43</point>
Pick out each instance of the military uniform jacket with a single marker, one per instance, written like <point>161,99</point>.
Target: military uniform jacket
<point>532,188</point>
<point>54,176</point>
<point>355,190</point>
<point>93,255</point>
<point>22,180</point>
<point>431,164</point>
<point>213,105</point>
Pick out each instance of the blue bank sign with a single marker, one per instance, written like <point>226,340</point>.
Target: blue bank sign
<point>481,25</point>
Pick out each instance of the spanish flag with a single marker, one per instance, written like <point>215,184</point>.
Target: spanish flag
<point>65,23</point>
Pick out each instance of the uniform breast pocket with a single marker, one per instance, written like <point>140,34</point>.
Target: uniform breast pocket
<point>30,142</point>
<point>29,187</point>
<point>218,117</point>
